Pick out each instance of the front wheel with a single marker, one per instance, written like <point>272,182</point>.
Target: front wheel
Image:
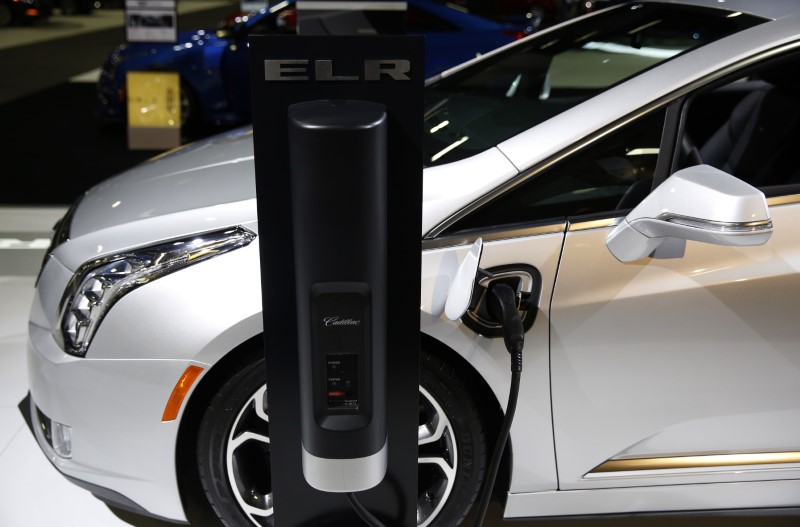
<point>233,448</point>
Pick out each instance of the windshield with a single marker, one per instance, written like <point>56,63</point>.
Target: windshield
<point>498,98</point>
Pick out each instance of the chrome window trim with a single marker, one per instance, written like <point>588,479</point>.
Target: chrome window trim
<point>593,224</point>
<point>458,240</point>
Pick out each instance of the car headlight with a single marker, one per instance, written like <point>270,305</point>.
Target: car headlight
<point>98,284</point>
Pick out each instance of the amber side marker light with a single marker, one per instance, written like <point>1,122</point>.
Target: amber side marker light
<point>182,387</point>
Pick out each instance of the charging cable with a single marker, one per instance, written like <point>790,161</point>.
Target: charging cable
<point>502,305</point>
<point>362,511</point>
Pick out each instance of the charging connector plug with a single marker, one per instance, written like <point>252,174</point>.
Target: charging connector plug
<point>502,305</point>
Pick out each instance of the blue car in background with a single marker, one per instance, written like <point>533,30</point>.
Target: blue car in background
<point>214,69</point>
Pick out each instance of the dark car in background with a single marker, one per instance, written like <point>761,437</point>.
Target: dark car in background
<point>17,12</point>
<point>214,68</point>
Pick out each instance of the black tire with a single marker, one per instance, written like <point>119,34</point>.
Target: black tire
<point>447,386</point>
<point>190,120</point>
<point>212,443</point>
<point>234,404</point>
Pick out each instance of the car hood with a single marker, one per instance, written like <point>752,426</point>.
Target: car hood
<point>207,173</point>
<point>220,170</point>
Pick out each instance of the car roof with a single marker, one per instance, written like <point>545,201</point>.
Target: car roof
<point>763,8</point>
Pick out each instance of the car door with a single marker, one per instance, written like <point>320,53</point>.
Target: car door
<point>685,369</point>
<point>523,232</point>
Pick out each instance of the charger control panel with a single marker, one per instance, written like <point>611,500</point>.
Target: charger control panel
<point>342,381</point>
<point>340,344</point>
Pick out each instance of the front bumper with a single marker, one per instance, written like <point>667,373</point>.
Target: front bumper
<point>121,451</point>
<point>30,412</point>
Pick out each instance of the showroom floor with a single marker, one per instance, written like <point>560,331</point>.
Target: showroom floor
<point>32,493</point>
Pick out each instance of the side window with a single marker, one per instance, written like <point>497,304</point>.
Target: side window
<point>749,127</point>
<point>614,173</point>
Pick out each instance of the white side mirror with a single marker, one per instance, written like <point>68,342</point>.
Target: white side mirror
<point>699,203</point>
<point>460,294</point>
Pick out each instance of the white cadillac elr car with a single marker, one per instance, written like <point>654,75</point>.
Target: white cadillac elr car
<point>637,169</point>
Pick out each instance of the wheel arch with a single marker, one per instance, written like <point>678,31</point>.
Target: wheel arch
<point>488,404</point>
<point>190,489</point>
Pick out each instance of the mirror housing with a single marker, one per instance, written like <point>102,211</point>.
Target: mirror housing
<point>699,203</point>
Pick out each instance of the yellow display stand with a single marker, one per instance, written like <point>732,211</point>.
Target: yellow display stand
<point>154,110</point>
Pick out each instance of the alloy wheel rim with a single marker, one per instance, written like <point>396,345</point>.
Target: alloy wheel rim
<point>248,450</point>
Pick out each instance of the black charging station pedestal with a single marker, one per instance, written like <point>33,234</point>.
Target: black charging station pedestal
<point>337,134</point>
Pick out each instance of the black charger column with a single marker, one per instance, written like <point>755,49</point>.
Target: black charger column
<point>388,71</point>
<point>337,157</point>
